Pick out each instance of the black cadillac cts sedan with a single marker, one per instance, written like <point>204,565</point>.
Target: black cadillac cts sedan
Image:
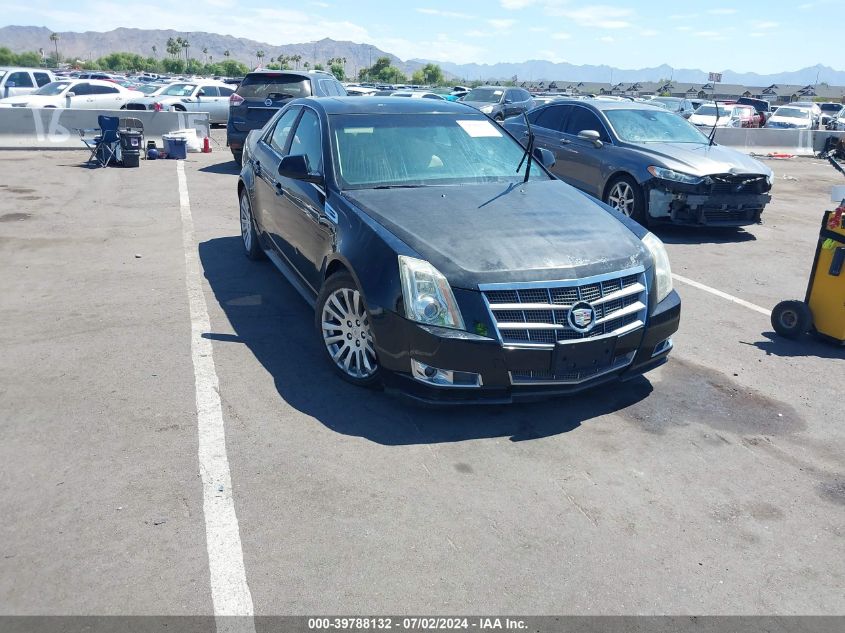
<point>445,262</point>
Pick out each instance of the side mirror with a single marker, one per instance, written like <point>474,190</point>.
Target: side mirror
<point>508,101</point>
<point>296,167</point>
<point>70,94</point>
<point>201,93</point>
<point>592,136</point>
<point>546,157</point>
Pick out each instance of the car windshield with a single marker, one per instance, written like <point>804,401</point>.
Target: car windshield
<point>276,87</point>
<point>484,95</point>
<point>831,107</point>
<point>53,88</point>
<point>423,149</point>
<point>793,113</point>
<point>179,90</point>
<point>669,101</point>
<point>147,89</point>
<point>710,110</point>
<point>653,126</point>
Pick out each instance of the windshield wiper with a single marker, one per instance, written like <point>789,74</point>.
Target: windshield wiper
<point>529,150</point>
<point>399,186</point>
<point>713,131</point>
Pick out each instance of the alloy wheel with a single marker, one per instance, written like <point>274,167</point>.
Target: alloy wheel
<point>621,197</point>
<point>347,334</point>
<point>246,223</point>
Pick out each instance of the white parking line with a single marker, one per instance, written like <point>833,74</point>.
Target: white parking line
<point>723,295</point>
<point>230,593</point>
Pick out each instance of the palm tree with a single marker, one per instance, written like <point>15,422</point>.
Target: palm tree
<point>54,37</point>
<point>186,46</point>
<point>296,59</point>
<point>205,52</point>
<point>226,53</point>
<point>155,51</point>
<point>306,65</point>
<point>260,55</point>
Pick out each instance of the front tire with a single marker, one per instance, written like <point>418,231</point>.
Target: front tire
<point>791,319</point>
<point>343,322</point>
<point>626,196</point>
<point>249,235</point>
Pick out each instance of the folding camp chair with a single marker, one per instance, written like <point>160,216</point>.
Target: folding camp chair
<point>104,146</point>
<point>129,124</point>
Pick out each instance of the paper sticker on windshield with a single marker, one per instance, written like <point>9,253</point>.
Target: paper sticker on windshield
<point>479,128</point>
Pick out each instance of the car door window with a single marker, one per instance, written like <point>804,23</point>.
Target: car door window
<point>552,117</point>
<point>279,137</point>
<point>524,95</point>
<point>81,89</point>
<point>307,140</point>
<point>226,92</point>
<point>21,80</point>
<point>511,95</point>
<point>42,79</point>
<point>210,91</point>
<point>581,119</point>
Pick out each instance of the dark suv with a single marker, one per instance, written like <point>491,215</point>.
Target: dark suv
<point>263,92</point>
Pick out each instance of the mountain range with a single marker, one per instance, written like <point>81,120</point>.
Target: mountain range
<point>92,44</point>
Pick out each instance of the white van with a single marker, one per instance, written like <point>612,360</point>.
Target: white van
<point>16,81</point>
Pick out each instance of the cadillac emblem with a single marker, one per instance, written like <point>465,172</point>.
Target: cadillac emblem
<point>582,317</point>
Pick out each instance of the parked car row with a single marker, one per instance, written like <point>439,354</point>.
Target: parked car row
<point>90,94</point>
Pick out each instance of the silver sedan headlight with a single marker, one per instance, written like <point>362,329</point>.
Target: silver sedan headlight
<point>487,109</point>
<point>662,270</point>
<point>428,297</point>
<point>675,176</point>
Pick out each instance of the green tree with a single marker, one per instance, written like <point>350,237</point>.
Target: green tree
<point>54,37</point>
<point>383,71</point>
<point>338,71</point>
<point>173,66</point>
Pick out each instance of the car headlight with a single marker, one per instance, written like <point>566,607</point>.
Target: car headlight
<point>662,270</point>
<point>428,296</point>
<point>676,176</point>
<point>487,109</point>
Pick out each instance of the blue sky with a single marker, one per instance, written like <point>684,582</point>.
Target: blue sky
<point>752,36</point>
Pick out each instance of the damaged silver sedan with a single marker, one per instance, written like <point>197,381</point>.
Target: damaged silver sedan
<point>650,164</point>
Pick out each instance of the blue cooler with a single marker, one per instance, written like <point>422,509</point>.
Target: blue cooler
<point>175,147</point>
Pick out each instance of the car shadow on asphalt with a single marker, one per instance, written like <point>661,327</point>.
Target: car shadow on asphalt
<point>695,235</point>
<point>275,323</point>
<point>807,345</point>
<point>228,167</point>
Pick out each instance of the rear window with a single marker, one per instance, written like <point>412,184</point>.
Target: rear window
<point>274,87</point>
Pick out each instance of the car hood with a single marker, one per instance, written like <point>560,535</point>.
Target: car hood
<point>480,104</point>
<point>787,121</point>
<point>30,98</point>
<point>700,119</point>
<point>496,233</point>
<point>702,159</point>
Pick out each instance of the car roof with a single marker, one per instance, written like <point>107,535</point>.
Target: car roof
<point>16,68</point>
<point>388,105</point>
<point>299,73</point>
<point>607,104</point>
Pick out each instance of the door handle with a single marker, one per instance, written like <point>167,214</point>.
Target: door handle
<point>257,168</point>
<point>279,191</point>
<point>565,141</point>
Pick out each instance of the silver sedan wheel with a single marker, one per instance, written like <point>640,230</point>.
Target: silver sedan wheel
<point>347,335</point>
<point>246,222</point>
<point>621,197</point>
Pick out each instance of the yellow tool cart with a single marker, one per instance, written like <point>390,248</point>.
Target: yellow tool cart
<point>823,310</point>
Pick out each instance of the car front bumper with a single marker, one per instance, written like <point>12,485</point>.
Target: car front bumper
<point>693,205</point>
<point>399,342</point>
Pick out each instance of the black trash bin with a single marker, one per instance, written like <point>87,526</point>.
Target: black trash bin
<point>130,147</point>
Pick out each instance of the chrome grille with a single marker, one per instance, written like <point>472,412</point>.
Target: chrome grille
<point>535,314</point>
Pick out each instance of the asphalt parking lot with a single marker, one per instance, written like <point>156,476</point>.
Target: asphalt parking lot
<point>716,485</point>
